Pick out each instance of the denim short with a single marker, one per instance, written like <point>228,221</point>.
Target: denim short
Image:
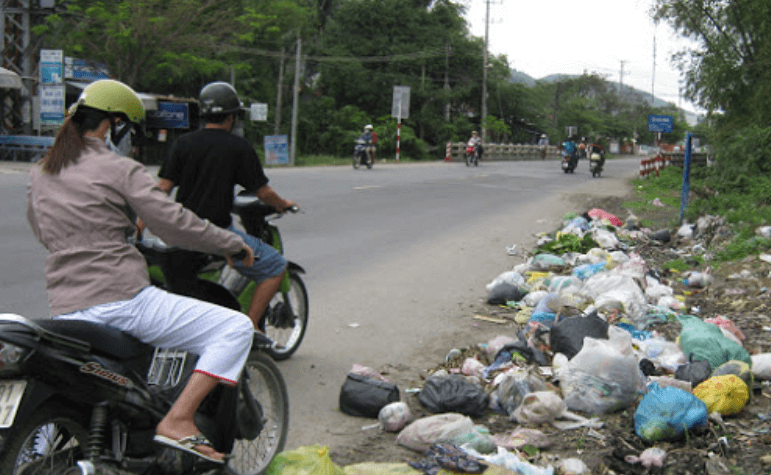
<point>268,262</point>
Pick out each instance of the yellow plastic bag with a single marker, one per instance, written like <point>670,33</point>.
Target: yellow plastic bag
<point>309,460</point>
<point>726,394</point>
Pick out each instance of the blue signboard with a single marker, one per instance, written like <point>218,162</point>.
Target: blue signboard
<point>83,70</point>
<point>660,123</point>
<point>51,66</point>
<point>276,150</point>
<point>170,115</point>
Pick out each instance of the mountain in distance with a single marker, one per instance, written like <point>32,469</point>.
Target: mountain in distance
<point>631,94</point>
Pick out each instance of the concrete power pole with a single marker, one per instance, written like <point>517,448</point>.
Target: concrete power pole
<point>295,105</point>
<point>484,73</point>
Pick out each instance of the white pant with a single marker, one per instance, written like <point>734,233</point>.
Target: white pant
<point>221,337</point>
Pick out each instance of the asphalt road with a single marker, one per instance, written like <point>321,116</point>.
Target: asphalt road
<point>393,257</point>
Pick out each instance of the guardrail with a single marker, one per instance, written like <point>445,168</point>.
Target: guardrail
<point>652,165</point>
<point>23,147</point>
<point>509,151</point>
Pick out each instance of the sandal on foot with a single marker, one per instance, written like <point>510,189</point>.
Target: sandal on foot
<point>187,444</point>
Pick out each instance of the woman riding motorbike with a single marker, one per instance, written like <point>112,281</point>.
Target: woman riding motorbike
<point>81,203</point>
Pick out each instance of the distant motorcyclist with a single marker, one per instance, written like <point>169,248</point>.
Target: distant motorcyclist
<point>570,149</point>
<point>543,142</point>
<point>476,141</point>
<point>582,148</point>
<point>369,138</point>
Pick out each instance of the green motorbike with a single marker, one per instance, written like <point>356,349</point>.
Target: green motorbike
<point>207,277</point>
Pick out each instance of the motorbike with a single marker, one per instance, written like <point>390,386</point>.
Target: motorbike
<point>596,162</point>
<point>360,155</point>
<point>207,277</point>
<point>569,162</point>
<point>79,398</point>
<point>472,154</point>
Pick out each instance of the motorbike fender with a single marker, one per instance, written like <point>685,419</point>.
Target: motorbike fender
<point>293,266</point>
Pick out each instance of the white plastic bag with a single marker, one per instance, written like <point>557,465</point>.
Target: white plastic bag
<point>508,277</point>
<point>607,287</point>
<point>601,378</point>
<point>761,366</point>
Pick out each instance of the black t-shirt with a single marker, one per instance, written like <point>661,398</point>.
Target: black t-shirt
<point>206,165</point>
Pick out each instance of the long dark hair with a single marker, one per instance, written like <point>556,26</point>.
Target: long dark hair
<point>69,143</point>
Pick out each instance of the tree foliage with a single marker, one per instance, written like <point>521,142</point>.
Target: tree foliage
<point>354,53</point>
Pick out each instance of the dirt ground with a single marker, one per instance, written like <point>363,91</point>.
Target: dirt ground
<point>739,444</point>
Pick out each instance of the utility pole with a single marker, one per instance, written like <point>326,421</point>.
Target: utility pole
<point>484,73</point>
<point>277,117</point>
<point>621,78</point>
<point>296,92</point>
<point>653,74</point>
<point>447,81</point>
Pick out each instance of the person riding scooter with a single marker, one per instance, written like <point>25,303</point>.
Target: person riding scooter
<point>369,138</point>
<point>596,158</point>
<point>569,155</point>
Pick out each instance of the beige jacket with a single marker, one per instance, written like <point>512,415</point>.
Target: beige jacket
<point>83,216</point>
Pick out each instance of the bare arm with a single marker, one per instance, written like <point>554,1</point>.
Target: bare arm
<point>270,197</point>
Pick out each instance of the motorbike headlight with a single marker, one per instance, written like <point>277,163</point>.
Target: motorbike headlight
<point>11,357</point>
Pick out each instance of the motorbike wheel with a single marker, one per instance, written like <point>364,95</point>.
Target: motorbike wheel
<point>476,161</point>
<point>287,319</point>
<point>468,159</point>
<point>48,443</point>
<point>356,162</point>
<point>369,163</point>
<point>267,385</point>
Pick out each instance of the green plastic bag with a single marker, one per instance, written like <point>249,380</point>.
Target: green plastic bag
<point>309,460</point>
<point>705,341</point>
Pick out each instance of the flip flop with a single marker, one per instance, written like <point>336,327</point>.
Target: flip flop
<point>186,444</point>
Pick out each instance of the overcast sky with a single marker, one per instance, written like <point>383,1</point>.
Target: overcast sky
<point>544,37</point>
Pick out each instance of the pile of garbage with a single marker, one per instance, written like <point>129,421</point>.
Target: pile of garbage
<point>587,312</point>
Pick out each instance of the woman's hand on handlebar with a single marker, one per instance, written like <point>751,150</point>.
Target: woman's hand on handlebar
<point>289,205</point>
<point>245,256</point>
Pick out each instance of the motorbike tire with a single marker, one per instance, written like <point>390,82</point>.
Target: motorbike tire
<point>476,161</point>
<point>369,164</point>
<point>356,162</point>
<point>468,159</point>
<point>53,429</point>
<point>267,385</point>
<point>287,331</point>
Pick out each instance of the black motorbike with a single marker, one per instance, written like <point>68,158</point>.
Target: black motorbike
<point>78,398</point>
<point>569,162</point>
<point>360,155</point>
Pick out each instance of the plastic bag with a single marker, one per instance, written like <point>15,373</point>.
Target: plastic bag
<point>585,271</point>
<point>362,396</point>
<point>705,341</point>
<point>602,378</point>
<point>694,372</point>
<point>512,389</point>
<point>761,366</point>
<point>605,238</point>
<point>532,299</point>
<point>453,394</point>
<point>394,416</point>
<point>303,461</point>
<point>567,336</point>
<point>508,277</point>
<point>726,394</point>
<point>539,408</point>
<point>738,368</point>
<point>564,284</point>
<point>606,286</point>
<point>522,436</point>
<point>547,262</point>
<point>511,461</point>
<point>442,428</point>
<point>505,292</point>
<point>666,413</point>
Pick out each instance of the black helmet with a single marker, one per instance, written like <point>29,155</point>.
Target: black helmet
<point>219,98</point>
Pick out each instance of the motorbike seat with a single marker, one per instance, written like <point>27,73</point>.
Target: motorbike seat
<point>104,339</point>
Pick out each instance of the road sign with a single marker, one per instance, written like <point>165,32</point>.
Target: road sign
<point>51,69</point>
<point>400,107</point>
<point>660,123</point>
<point>276,150</point>
<point>258,111</point>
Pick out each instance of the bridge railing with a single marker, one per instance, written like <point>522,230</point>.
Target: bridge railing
<point>505,151</point>
<point>23,147</point>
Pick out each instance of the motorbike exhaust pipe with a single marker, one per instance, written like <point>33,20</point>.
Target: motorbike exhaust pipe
<point>86,467</point>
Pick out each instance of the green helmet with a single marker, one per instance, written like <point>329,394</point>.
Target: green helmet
<point>113,97</point>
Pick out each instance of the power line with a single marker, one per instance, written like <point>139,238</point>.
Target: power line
<point>425,54</point>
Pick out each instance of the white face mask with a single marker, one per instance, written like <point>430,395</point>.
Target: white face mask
<point>122,148</point>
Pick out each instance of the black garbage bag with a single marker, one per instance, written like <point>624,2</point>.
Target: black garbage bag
<point>453,394</point>
<point>531,355</point>
<point>567,336</point>
<point>503,292</point>
<point>362,396</point>
<point>694,371</point>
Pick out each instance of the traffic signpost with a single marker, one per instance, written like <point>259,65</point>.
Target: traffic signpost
<point>400,108</point>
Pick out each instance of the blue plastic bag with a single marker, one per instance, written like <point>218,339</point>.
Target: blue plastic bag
<point>666,413</point>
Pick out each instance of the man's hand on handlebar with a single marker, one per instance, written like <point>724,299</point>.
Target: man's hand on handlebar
<point>245,256</point>
<point>288,205</point>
